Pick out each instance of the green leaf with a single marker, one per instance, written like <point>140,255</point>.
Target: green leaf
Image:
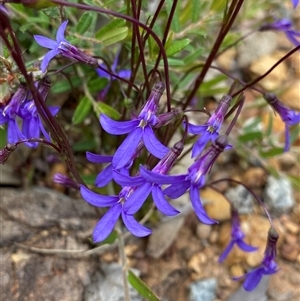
<point>64,85</point>
<point>272,153</point>
<point>196,6</point>
<point>295,180</point>
<point>84,23</point>
<point>97,84</point>
<point>83,146</point>
<point>141,287</point>
<point>177,46</point>
<point>89,179</point>
<point>109,27</point>
<point>3,139</point>
<point>250,136</point>
<point>82,110</point>
<point>175,25</point>
<point>114,36</point>
<point>107,110</point>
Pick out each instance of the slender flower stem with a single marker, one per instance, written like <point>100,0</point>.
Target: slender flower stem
<point>256,80</point>
<point>240,105</point>
<point>132,20</point>
<point>223,32</point>
<point>136,32</point>
<point>250,190</point>
<point>123,262</point>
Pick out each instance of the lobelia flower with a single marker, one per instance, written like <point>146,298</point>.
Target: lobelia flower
<point>106,175</point>
<point>150,182</point>
<point>295,3</point>
<point>139,129</point>
<point>9,112</point>
<point>20,106</point>
<point>237,237</point>
<point>285,26</point>
<point>65,181</point>
<point>210,130</point>
<point>268,265</point>
<point>63,47</point>
<point>122,73</point>
<point>195,179</point>
<point>288,116</point>
<point>107,223</point>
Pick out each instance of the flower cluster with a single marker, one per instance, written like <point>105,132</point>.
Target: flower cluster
<point>21,108</point>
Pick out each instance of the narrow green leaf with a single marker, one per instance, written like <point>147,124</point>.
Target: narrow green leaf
<point>141,287</point>
<point>196,6</point>
<point>110,26</point>
<point>272,153</point>
<point>113,36</point>
<point>64,85</point>
<point>97,84</point>
<point>89,179</point>
<point>175,25</point>
<point>84,23</point>
<point>85,145</point>
<point>107,110</point>
<point>82,110</point>
<point>177,46</point>
<point>250,136</point>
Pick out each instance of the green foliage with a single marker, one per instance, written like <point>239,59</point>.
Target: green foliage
<point>141,287</point>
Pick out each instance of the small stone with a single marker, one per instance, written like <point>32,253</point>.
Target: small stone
<point>274,79</point>
<point>203,290</point>
<point>213,237</point>
<point>291,97</point>
<point>255,177</point>
<point>196,263</point>
<point>278,194</point>
<point>291,227</point>
<point>217,206</point>
<point>236,270</point>
<point>287,161</point>
<point>289,252</point>
<point>203,231</point>
<point>241,198</point>
<point>280,288</point>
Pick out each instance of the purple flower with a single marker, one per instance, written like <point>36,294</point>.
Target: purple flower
<point>10,111</point>
<point>237,237</point>
<point>65,181</point>
<point>122,73</point>
<point>268,265</point>
<point>150,182</point>
<point>284,25</point>
<point>210,130</point>
<point>196,177</point>
<point>139,129</point>
<point>106,175</point>
<point>295,3</point>
<point>288,116</point>
<point>107,223</point>
<point>21,106</point>
<point>63,47</point>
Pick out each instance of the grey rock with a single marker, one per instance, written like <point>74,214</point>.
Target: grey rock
<point>256,46</point>
<point>241,198</point>
<point>259,294</point>
<point>8,176</point>
<point>164,235</point>
<point>203,290</point>
<point>278,195</point>
<point>33,217</point>
<point>107,285</point>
